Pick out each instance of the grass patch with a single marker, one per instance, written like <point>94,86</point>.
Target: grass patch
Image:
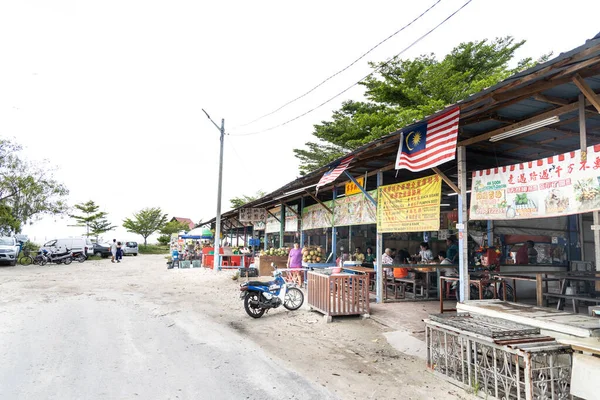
<point>153,249</point>
<point>92,258</point>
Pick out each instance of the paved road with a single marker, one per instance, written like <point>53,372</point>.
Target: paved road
<point>91,347</point>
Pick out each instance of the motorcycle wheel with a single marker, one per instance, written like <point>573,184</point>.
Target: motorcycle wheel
<point>43,261</point>
<point>81,258</point>
<point>251,310</point>
<point>68,260</point>
<point>294,298</point>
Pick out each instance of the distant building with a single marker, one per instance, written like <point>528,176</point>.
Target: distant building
<point>187,221</point>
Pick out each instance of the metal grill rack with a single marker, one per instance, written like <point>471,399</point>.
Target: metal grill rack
<point>498,359</point>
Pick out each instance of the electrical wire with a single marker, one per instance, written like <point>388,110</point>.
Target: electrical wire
<point>343,69</point>
<point>356,83</point>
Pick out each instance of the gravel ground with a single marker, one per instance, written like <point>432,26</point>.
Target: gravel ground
<point>99,330</point>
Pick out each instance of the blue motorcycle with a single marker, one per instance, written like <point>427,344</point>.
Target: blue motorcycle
<point>260,297</point>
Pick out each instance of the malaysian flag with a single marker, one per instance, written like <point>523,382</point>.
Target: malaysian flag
<point>430,143</point>
<point>335,171</point>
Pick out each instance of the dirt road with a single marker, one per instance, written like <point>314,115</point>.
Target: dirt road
<point>99,330</point>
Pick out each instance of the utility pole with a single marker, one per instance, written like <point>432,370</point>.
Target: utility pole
<point>217,258</point>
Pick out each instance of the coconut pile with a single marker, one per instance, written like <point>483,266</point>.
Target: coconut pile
<point>281,252</point>
<point>312,254</point>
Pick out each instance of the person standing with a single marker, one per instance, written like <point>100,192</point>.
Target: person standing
<point>295,261</point>
<point>452,250</point>
<point>119,252</point>
<point>113,250</point>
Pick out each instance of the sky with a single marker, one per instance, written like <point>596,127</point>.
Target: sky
<point>111,92</point>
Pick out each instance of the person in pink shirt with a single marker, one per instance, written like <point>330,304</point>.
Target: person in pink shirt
<point>295,261</point>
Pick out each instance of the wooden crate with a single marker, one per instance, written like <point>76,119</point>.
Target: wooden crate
<point>339,294</point>
<point>263,263</point>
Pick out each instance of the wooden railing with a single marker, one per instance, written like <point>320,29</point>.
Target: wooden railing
<point>339,294</point>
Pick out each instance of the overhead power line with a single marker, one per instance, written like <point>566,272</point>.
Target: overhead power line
<point>356,83</point>
<point>343,69</point>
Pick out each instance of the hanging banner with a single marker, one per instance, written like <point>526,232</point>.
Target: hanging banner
<point>412,206</point>
<point>355,210</point>
<point>560,185</point>
<point>351,188</point>
<point>291,220</point>
<point>317,217</point>
<point>252,214</point>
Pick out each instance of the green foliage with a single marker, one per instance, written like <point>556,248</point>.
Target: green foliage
<point>146,222</point>
<point>27,190</point>
<point>100,226</point>
<point>405,91</point>
<point>153,249</point>
<point>237,202</point>
<point>174,227</point>
<point>164,240</point>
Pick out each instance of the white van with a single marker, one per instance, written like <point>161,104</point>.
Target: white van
<point>75,244</point>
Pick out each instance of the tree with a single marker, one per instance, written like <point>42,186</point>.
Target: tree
<point>100,226</point>
<point>89,213</point>
<point>405,91</point>
<point>237,202</point>
<point>27,190</point>
<point>146,222</point>
<point>164,240</point>
<point>174,227</point>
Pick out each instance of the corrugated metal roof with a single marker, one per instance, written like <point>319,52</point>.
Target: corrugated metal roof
<point>524,95</point>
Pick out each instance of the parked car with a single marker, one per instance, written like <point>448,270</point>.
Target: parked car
<point>9,250</point>
<point>130,248</point>
<point>102,250</point>
<point>75,244</point>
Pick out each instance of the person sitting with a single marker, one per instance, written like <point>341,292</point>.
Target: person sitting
<point>386,257</point>
<point>369,258</point>
<point>425,255</point>
<point>445,261</point>
<point>403,257</point>
<point>358,255</point>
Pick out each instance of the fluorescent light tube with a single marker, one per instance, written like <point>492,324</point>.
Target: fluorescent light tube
<point>526,128</point>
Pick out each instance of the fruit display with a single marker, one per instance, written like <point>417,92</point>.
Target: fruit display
<point>281,252</point>
<point>312,254</point>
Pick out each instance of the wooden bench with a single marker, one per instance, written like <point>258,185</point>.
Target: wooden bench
<point>573,298</point>
<point>416,284</point>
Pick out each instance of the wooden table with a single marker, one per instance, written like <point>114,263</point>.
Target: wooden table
<point>531,276</point>
<point>575,277</point>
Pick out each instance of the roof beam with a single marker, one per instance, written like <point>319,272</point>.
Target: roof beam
<point>273,215</point>
<point>446,179</point>
<point>554,112</point>
<point>587,91</point>
<point>319,201</point>
<point>551,99</point>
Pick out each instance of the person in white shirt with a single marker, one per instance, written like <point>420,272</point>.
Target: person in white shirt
<point>444,261</point>
<point>425,254</point>
<point>386,258</point>
<point>113,250</point>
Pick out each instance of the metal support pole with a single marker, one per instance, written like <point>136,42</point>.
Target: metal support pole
<point>219,187</point>
<point>281,224</point>
<point>300,222</point>
<point>463,248</point>
<point>334,231</point>
<point>378,253</point>
<point>490,233</point>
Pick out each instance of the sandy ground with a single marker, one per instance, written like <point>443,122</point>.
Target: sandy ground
<point>138,330</point>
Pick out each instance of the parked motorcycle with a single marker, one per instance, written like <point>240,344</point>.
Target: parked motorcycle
<point>57,257</point>
<point>259,297</point>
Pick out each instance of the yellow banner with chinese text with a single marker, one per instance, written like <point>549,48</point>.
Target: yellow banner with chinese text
<point>412,206</point>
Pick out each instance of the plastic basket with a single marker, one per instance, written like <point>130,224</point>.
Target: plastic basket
<point>185,264</point>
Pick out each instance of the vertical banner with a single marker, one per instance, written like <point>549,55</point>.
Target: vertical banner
<point>412,206</point>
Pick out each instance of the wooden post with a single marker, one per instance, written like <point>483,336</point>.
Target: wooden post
<point>539,294</point>
<point>334,231</point>
<point>378,253</point>
<point>300,222</point>
<point>463,249</point>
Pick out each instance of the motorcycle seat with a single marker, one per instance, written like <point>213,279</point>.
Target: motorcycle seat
<point>258,283</point>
